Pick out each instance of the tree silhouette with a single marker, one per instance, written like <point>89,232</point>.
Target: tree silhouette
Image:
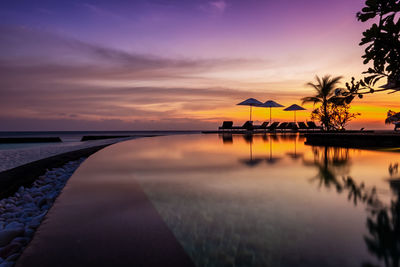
<point>325,94</point>
<point>382,41</point>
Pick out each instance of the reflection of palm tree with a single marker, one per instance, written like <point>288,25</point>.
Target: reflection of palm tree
<point>356,192</point>
<point>384,239</point>
<point>384,228</point>
<point>328,162</point>
<point>383,222</point>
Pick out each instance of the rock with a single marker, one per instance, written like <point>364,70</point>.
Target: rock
<point>29,232</point>
<point>9,234</point>
<point>21,240</point>
<point>21,190</point>
<point>7,264</point>
<point>36,194</point>
<point>23,212</point>
<point>13,257</point>
<point>14,225</point>
<point>27,198</point>
<point>52,195</point>
<point>10,249</point>
<point>46,206</point>
<point>9,206</point>
<point>41,202</point>
<point>46,188</point>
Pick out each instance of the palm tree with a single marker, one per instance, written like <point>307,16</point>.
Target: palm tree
<point>325,89</point>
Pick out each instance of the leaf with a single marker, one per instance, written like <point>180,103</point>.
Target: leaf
<point>349,99</point>
<point>377,79</point>
<point>370,78</point>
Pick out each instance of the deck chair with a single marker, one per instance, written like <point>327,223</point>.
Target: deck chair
<point>248,125</point>
<point>273,126</point>
<point>226,125</point>
<point>303,126</point>
<point>263,126</point>
<point>282,126</point>
<point>292,126</point>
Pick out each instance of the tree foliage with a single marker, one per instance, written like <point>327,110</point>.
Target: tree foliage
<point>382,41</point>
<point>336,117</point>
<point>333,113</point>
<point>392,117</point>
<point>325,90</point>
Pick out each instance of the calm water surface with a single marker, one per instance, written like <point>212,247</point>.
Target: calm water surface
<point>269,200</point>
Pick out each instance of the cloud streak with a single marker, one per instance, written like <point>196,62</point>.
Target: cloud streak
<point>64,80</point>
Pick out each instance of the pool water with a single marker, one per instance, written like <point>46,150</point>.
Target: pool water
<point>269,200</point>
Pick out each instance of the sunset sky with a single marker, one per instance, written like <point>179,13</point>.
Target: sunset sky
<point>173,64</point>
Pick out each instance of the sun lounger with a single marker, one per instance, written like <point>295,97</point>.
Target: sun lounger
<point>273,126</point>
<point>262,126</point>
<point>282,126</point>
<point>292,126</point>
<point>248,126</point>
<point>226,125</point>
<point>303,126</point>
<point>313,126</point>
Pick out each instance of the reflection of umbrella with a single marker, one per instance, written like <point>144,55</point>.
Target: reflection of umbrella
<point>271,159</point>
<point>270,104</point>
<point>294,155</point>
<point>250,102</point>
<point>294,108</point>
<point>251,161</point>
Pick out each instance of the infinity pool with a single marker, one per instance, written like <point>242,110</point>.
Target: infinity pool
<point>261,200</point>
<point>270,200</point>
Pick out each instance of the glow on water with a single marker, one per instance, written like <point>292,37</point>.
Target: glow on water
<point>269,200</point>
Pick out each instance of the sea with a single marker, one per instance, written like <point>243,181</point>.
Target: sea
<point>75,136</point>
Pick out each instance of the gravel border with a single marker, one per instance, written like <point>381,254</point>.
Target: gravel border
<point>22,213</point>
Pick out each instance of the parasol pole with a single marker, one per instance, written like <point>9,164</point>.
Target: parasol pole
<point>270,115</point>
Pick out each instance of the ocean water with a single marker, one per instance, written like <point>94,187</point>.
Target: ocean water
<point>74,137</point>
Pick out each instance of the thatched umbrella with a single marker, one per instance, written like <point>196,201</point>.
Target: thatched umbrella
<point>271,104</point>
<point>294,108</point>
<point>250,102</point>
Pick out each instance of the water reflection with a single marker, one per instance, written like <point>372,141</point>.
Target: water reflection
<point>295,155</point>
<point>333,166</point>
<point>251,161</point>
<point>383,221</point>
<point>267,200</point>
<point>330,162</point>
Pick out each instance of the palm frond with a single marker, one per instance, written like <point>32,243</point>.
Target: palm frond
<point>314,86</point>
<point>310,99</point>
